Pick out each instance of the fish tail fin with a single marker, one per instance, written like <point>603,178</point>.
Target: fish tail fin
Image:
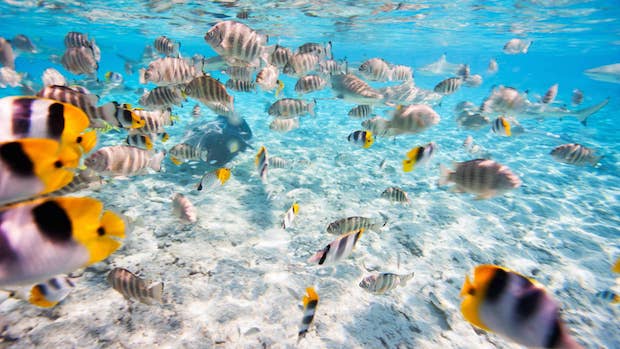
<point>156,161</point>
<point>157,291</point>
<point>527,48</point>
<point>584,114</point>
<point>279,88</point>
<point>616,267</point>
<point>311,107</point>
<point>147,142</point>
<point>385,219</point>
<point>444,175</point>
<point>107,112</point>
<point>408,165</point>
<point>596,159</point>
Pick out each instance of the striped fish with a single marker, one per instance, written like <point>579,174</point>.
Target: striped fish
<point>501,126</point>
<point>448,86</point>
<point>338,249</point>
<point>290,215</point>
<point>320,50</point>
<point>154,120</point>
<point>486,178</point>
<point>395,195</point>
<point>419,155</point>
<point>121,160</point>
<point>262,163</point>
<point>577,97</point>
<point>278,162</point>
<point>240,73</point>
<point>474,80</point>
<point>310,301</point>
<point>384,282</point>
<point>361,111</point>
<point>355,223</point>
<point>401,73</point>
<point>7,55</point>
<point>79,60</point>
<point>209,90</point>
<point>332,67</point>
<point>284,125</point>
<point>52,76</point>
<point>413,119</point>
<point>132,286</point>
<point>163,96</point>
<point>575,154</point>
<point>493,66</point>
<point>183,209</point>
<point>301,64</point>
<point>46,294</point>
<point>23,43</point>
<point>376,69</point>
<point>351,88</point>
<point>215,178</point>
<point>240,85</point>
<point>280,56</point>
<point>267,79</point>
<point>363,139</point>
<point>167,47</point>
<point>609,296</point>
<point>184,152</point>
<point>239,44</point>
<point>379,126</point>
<point>168,71</point>
<point>140,141</point>
<point>83,179</point>
<point>287,108</point>
<point>550,95</point>
<point>77,39</point>
<point>310,83</point>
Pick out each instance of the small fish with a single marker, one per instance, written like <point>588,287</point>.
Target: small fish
<point>215,178</point>
<point>79,40</point>
<point>284,125</point>
<point>32,167</point>
<point>376,69</point>
<point>113,77</point>
<point>209,90</point>
<point>184,152</point>
<point>262,163</point>
<point>47,294</point>
<point>379,126</point>
<point>473,80</point>
<point>23,43</point>
<point>287,108</point>
<point>419,155</point>
<point>361,111</point>
<point>486,178</point>
<point>516,46</point>
<point>154,121</point>
<point>396,195</point>
<point>163,97</point>
<point>240,85</point>
<point>472,120</point>
<point>46,237</point>
<point>320,50</point>
<point>183,209</point>
<point>122,160</point>
<point>441,67</point>
<point>577,97</point>
<point>362,138</point>
<point>412,119</point>
<point>609,296</point>
<point>474,149</point>
<point>7,56</point>
<point>240,73</point>
<point>301,64</point>
<point>290,215</point>
<point>52,76</point>
<point>278,162</point>
<point>337,250</point>
<point>493,66</point>
<point>512,305</point>
<point>401,73</point>
<point>332,67</point>
<point>448,86</point>
<point>550,95</point>
<point>168,71</point>
<point>140,141</point>
<point>267,79</point>
<point>501,126</point>
<point>237,43</point>
<point>34,117</point>
<point>310,301</point>
<point>83,179</point>
<point>132,286</point>
<point>79,60</point>
<point>355,223</point>
<point>280,56</point>
<point>9,77</point>
<point>167,47</point>
<point>196,111</point>
<point>351,88</point>
<point>384,282</point>
<point>310,83</point>
<point>575,154</point>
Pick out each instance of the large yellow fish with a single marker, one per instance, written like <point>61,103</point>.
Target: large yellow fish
<point>47,237</point>
<point>33,167</point>
<point>508,303</point>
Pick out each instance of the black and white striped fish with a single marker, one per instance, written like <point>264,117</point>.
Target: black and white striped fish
<point>46,294</point>
<point>168,71</point>
<point>262,163</point>
<point>209,90</point>
<point>284,125</point>
<point>448,86</point>
<point>361,111</point>
<point>237,43</point>
<point>348,224</point>
<point>280,56</point>
<point>183,209</point>
<point>163,97</point>
<point>376,69</point>
<point>550,95</point>
<point>166,46</point>
<point>267,79</point>
<point>384,282</point>
<point>575,154</point>
<point>483,177</point>
<point>77,39</point>
<point>395,194</point>
<point>338,249</point>
<point>310,302</point>
<point>122,160</point>
<point>290,215</point>
<point>278,162</point>
<point>351,88</point>
<point>320,50</point>
<point>287,108</point>
<point>301,64</point>
<point>134,287</point>
<point>143,141</point>
<point>332,67</point>
<point>79,60</point>
<point>501,126</point>
<point>184,152</point>
<point>577,97</point>
<point>240,85</point>
<point>401,73</point>
<point>154,120</point>
<point>310,83</point>
<point>240,73</point>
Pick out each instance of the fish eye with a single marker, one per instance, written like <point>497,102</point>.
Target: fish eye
<point>58,164</point>
<point>100,231</point>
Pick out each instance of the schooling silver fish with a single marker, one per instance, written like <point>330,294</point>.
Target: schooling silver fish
<point>376,69</point>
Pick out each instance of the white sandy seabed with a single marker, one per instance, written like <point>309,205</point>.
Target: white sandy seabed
<point>235,279</point>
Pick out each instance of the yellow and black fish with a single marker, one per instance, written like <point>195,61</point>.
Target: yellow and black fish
<point>47,237</point>
<point>361,138</point>
<point>503,301</point>
<point>262,163</point>
<point>310,300</point>
<point>418,156</point>
<point>34,117</point>
<point>46,294</point>
<point>609,296</point>
<point>31,167</point>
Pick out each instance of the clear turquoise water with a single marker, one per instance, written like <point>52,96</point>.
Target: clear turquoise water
<point>561,226</point>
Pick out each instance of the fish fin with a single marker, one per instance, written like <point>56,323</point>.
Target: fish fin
<point>487,195</point>
<point>157,291</point>
<point>408,165</point>
<point>279,87</point>
<point>444,175</point>
<point>165,137</point>
<point>175,161</point>
<point>148,143</point>
<point>405,278</point>
<point>142,77</point>
<point>47,154</point>
<point>156,161</point>
<point>616,267</point>
<point>583,114</point>
<point>506,126</point>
